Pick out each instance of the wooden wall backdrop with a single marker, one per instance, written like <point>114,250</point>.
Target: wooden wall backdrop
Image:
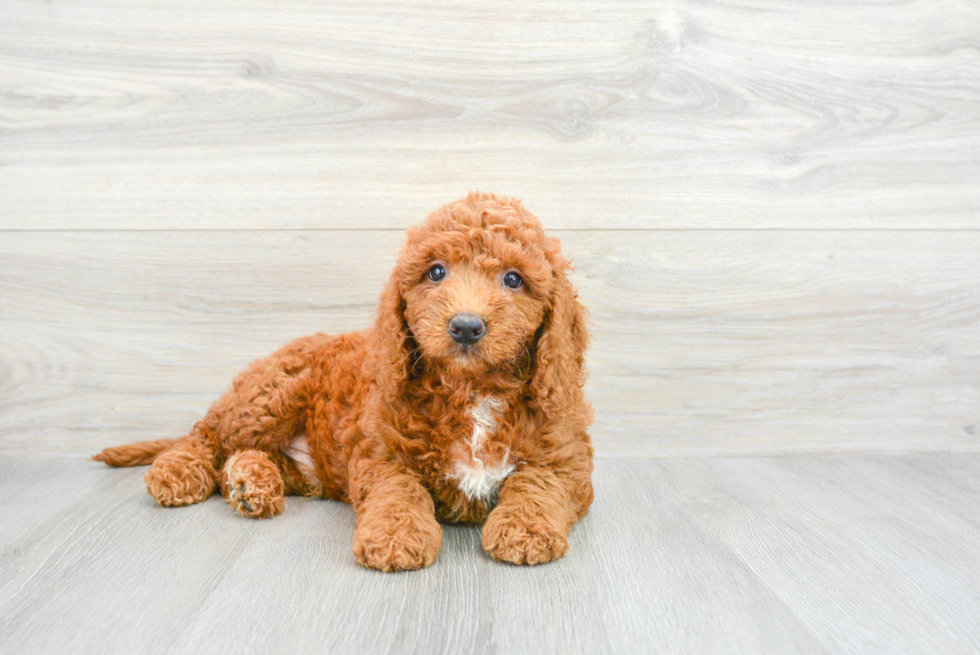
<point>773,205</point>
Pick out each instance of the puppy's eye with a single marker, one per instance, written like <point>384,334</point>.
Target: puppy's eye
<point>437,272</point>
<point>513,280</point>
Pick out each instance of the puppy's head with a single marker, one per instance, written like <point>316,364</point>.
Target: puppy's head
<point>480,287</point>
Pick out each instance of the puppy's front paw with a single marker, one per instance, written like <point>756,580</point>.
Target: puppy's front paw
<point>397,540</point>
<point>522,536</point>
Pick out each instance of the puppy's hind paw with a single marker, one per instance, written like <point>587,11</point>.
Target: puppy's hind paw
<point>180,478</point>
<point>253,485</point>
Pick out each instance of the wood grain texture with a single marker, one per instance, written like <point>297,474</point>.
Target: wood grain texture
<point>679,114</point>
<point>752,555</point>
<point>878,554</point>
<point>705,343</point>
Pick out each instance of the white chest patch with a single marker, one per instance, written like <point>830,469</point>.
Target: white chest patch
<point>474,477</point>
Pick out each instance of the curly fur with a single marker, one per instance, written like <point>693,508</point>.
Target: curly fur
<point>403,422</point>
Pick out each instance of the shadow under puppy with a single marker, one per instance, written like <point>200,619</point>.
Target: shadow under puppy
<point>463,403</point>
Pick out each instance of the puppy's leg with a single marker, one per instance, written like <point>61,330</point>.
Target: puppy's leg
<point>252,485</point>
<point>534,514</point>
<point>263,411</point>
<point>184,474</point>
<point>396,527</point>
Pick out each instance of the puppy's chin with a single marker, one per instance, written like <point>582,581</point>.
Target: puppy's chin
<point>467,361</point>
<point>462,362</point>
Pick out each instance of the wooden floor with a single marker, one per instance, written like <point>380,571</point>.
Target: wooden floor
<point>837,554</point>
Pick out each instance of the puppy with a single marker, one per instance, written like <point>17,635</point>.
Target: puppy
<point>463,403</point>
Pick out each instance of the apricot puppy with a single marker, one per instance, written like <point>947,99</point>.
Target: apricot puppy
<point>463,403</point>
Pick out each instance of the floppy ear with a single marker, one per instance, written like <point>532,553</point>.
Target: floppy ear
<point>393,343</point>
<point>559,366</point>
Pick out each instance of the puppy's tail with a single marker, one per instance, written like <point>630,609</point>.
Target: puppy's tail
<point>134,454</point>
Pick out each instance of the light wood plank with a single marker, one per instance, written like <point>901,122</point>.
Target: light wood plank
<point>705,343</point>
<point>868,557</point>
<point>115,572</point>
<point>290,584</point>
<point>651,575</point>
<point>37,494</point>
<point>755,555</point>
<point>753,113</point>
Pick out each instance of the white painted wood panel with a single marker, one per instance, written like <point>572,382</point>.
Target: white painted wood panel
<point>706,343</point>
<point>679,114</point>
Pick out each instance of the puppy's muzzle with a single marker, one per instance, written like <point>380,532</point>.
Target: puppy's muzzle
<point>467,329</point>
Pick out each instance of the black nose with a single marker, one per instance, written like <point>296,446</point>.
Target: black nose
<point>467,329</point>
